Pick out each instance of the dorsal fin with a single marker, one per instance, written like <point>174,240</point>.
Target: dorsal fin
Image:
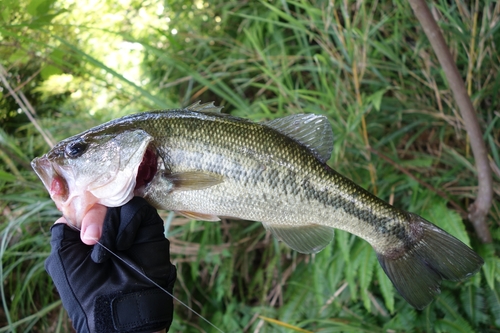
<point>311,130</point>
<point>205,107</point>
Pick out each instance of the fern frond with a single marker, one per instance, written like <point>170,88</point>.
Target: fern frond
<point>473,303</point>
<point>493,301</point>
<point>386,288</point>
<point>366,259</point>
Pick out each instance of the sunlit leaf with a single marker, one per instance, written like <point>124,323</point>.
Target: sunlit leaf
<point>447,219</point>
<point>50,70</point>
<point>286,325</point>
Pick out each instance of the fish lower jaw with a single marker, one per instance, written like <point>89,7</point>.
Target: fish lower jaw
<point>76,206</point>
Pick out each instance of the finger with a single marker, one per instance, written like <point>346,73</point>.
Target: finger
<point>62,219</point>
<point>92,224</point>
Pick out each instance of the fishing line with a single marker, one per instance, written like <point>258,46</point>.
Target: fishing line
<point>156,284</point>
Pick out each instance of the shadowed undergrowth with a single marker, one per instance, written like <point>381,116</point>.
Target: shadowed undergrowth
<point>366,66</point>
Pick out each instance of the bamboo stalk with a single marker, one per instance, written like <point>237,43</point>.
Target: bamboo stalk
<point>479,209</point>
<point>25,107</point>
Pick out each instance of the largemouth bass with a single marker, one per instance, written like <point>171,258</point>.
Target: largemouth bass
<point>204,164</point>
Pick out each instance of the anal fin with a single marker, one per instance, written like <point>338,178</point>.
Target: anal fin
<point>198,216</point>
<point>304,239</point>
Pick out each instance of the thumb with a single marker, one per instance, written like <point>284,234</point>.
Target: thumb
<point>109,231</point>
<point>92,224</point>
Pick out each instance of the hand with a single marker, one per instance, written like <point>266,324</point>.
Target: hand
<point>92,224</point>
<point>100,292</point>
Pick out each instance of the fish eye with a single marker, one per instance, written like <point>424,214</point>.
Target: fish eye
<point>75,149</point>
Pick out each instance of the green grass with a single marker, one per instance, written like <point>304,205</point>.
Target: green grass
<point>367,66</point>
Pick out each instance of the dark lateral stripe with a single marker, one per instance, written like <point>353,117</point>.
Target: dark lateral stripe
<point>290,183</point>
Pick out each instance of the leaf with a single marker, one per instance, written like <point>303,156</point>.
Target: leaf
<point>39,7</point>
<point>386,288</point>
<point>446,219</point>
<point>342,241</point>
<point>493,299</point>
<point>20,56</point>
<point>345,242</point>
<point>57,56</point>
<point>32,8</point>
<point>404,320</point>
<point>491,270</point>
<point>7,176</point>
<point>367,261</point>
<point>423,162</point>
<point>473,303</point>
<point>458,325</point>
<point>429,318</point>
<point>282,324</point>
<point>6,14</point>
<point>376,98</point>
<point>448,304</point>
<point>50,70</point>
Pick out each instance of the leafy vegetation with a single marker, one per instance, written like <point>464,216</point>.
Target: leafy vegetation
<point>365,65</point>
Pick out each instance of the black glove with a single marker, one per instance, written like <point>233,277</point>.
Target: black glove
<point>101,293</point>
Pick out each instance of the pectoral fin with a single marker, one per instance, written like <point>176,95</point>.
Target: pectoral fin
<point>192,180</point>
<point>198,216</point>
<point>305,239</point>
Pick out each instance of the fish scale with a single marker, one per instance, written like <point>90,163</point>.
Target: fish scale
<point>212,165</point>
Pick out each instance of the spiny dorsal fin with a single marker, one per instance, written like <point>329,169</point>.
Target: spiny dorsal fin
<point>205,107</point>
<point>313,131</point>
<point>304,239</point>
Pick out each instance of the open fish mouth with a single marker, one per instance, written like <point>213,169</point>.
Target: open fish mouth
<point>54,183</point>
<point>74,199</point>
<point>58,188</point>
<point>75,190</point>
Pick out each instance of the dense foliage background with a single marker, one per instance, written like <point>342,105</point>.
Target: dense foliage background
<point>366,65</point>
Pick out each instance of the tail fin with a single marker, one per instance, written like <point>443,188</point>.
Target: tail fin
<point>437,256</point>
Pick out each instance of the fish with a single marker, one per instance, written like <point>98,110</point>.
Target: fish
<point>205,164</point>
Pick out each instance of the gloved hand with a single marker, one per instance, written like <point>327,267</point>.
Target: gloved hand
<point>101,293</point>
